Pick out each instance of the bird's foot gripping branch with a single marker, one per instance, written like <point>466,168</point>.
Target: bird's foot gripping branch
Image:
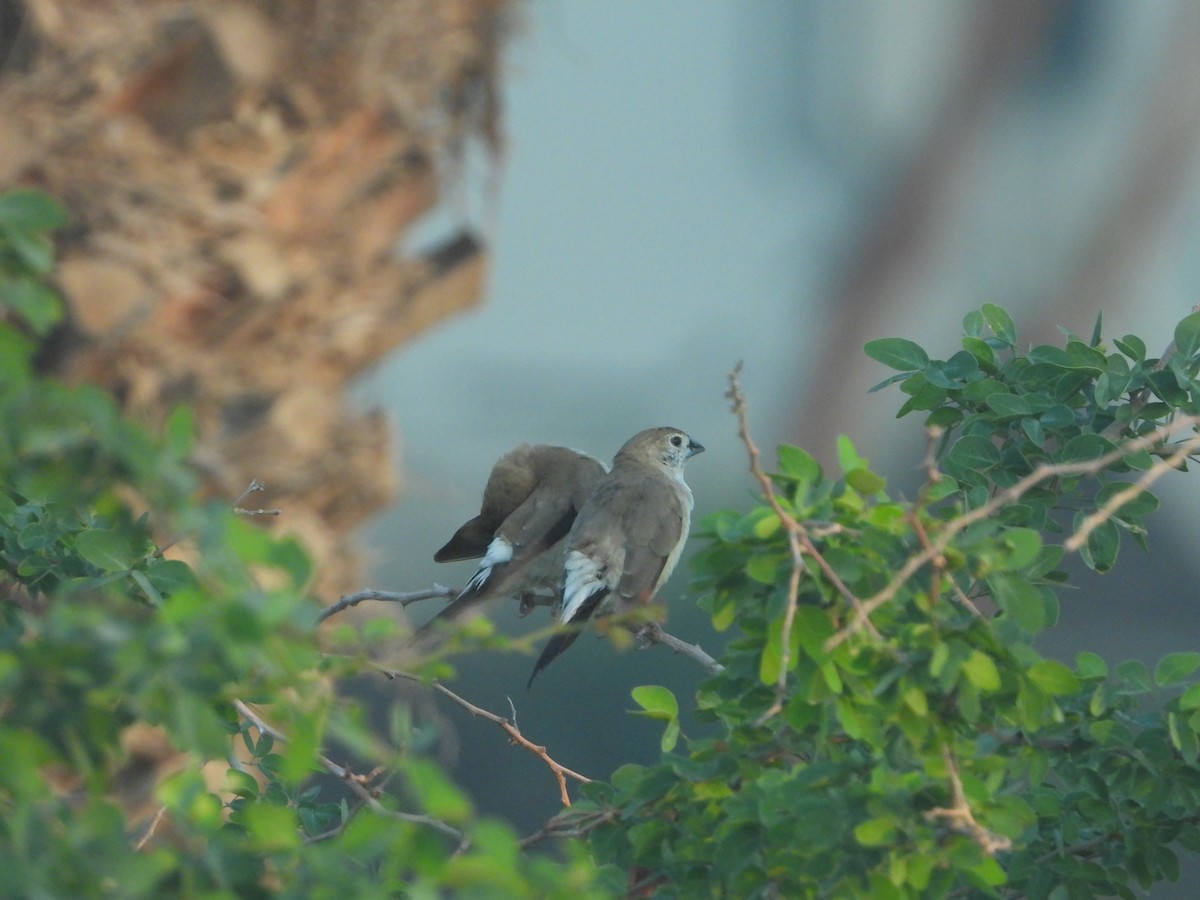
<point>883,725</point>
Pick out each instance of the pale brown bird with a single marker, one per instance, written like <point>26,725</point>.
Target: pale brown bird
<point>531,499</point>
<point>628,535</point>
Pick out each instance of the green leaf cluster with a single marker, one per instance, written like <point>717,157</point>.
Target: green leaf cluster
<point>935,752</point>
<point>102,628</point>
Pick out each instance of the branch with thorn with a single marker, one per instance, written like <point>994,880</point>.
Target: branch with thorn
<point>404,599</point>
<point>357,784</point>
<point>561,773</point>
<point>1007,496</point>
<point>959,816</point>
<point>799,543</point>
<point>254,487</point>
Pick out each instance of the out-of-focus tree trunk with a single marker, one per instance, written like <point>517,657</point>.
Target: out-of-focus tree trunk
<point>238,174</point>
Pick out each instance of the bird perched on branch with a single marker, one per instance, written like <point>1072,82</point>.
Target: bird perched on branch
<point>628,535</point>
<point>532,497</point>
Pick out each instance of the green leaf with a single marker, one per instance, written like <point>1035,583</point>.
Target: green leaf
<point>897,353</point>
<point>865,481</point>
<point>1085,448</point>
<point>30,210</point>
<point>1053,677</point>
<point>33,301</point>
<point>877,832</point>
<point>981,671</point>
<point>798,464</point>
<point>1187,336</point>
<point>1001,323</point>
<point>1132,346</point>
<point>974,452</point>
<point>1008,405</point>
<point>1175,667</point>
<point>982,351</point>
<point>657,702</point>
<point>273,828</point>
<point>1021,601</point>
<point>106,550</point>
<point>1090,665</point>
<point>1100,551</point>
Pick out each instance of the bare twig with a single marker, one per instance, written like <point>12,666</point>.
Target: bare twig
<point>150,829</point>
<point>799,544</point>
<point>568,824</point>
<point>560,772</point>
<point>653,633</point>
<point>1123,496</point>
<point>356,783</point>
<point>254,487</point>
<point>363,596</point>
<point>1003,498</point>
<point>959,814</point>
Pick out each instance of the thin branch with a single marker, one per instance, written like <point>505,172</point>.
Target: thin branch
<point>568,824</point>
<point>256,512</point>
<point>1123,496</point>
<point>385,597</point>
<point>560,772</point>
<point>356,783</point>
<point>254,487</point>
<point>959,814</point>
<point>150,829</point>
<point>652,633</point>
<point>799,544</point>
<point>1003,498</point>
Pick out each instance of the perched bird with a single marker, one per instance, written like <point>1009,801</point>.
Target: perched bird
<point>628,535</point>
<point>531,499</point>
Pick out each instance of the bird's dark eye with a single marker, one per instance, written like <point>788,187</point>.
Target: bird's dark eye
<point>677,441</point>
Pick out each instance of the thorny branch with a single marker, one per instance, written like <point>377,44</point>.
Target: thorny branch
<point>959,814</point>
<point>560,772</point>
<point>405,599</point>
<point>653,633</point>
<point>254,486</point>
<point>356,783</point>
<point>799,543</point>
<point>1009,495</point>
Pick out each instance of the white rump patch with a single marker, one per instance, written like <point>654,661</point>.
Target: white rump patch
<point>499,551</point>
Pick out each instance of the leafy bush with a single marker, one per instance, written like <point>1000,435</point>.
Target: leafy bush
<point>884,726</point>
<point>101,629</point>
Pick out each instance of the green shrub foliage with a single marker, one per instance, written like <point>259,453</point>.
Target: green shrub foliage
<point>934,751</point>
<point>99,630</point>
<point>882,726</point>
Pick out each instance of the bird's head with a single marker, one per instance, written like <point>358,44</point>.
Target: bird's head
<point>665,446</point>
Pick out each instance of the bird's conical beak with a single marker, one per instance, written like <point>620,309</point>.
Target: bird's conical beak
<point>694,448</point>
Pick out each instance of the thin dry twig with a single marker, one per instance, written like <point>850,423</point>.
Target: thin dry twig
<point>356,783</point>
<point>150,829</point>
<point>1003,498</point>
<point>254,487</point>
<point>560,772</point>
<point>404,599</point>
<point>799,543</point>
<point>1123,496</point>
<point>653,633</point>
<point>959,814</point>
